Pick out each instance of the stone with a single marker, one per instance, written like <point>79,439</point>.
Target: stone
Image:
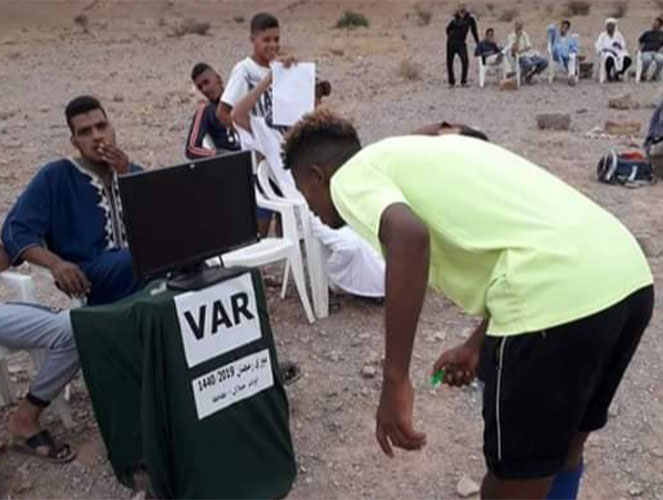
<point>368,371</point>
<point>622,128</point>
<point>622,102</point>
<point>44,109</point>
<point>440,336</point>
<point>509,84</point>
<point>635,490</point>
<point>467,487</point>
<point>118,98</point>
<point>553,121</point>
<point>613,411</point>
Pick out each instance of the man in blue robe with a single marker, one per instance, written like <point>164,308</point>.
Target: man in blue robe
<point>69,218</point>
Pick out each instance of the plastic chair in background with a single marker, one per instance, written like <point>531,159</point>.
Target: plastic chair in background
<point>274,249</point>
<point>314,251</point>
<point>555,66</point>
<point>501,64</point>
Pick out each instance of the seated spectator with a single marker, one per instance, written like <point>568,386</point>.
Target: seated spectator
<point>654,141</point>
<point>352,265</point>
<point>488,50</point>
<point>207,135</point>
<point>611,47</point>
<point>564,47</point>
<point>519,44</point>
<point>24,326</point>
<point>651,49</point>
<point>69,218</point>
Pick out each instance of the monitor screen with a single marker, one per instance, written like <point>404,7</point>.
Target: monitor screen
<point>179,216</point>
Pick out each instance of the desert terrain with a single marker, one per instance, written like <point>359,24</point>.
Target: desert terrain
<point>131,56</point>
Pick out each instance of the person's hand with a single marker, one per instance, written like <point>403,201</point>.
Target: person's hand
<point>394,417</point>
<point>287,60</point>
<point>459,364</point>
<point>114,157</point>
<point>70,279</point>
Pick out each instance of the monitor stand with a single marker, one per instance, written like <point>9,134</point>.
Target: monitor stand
<point>200,277</point>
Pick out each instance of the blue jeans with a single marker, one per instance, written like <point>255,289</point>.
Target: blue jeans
<point>652,57</point>
<point>28,326</point>
<point>536,64</point>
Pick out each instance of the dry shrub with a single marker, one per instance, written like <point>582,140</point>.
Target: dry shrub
<point>83,21</point>
<point>619,9</point>
<point>239,19</point>
<point>352,20</point>
<point>577,8</point>
<point>192,27</point>
<point>409,70</point>
<point>549,9</point>
<point>659,4</point>
<point>423,16</point>
<point>490,6</point>
<point>508,15</point>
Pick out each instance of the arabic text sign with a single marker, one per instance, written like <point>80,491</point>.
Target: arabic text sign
<point>231,383</point>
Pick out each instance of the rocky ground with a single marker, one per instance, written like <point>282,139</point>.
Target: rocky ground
<point>388,77</point>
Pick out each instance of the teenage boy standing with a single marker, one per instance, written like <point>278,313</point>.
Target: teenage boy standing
<point>561,321</point>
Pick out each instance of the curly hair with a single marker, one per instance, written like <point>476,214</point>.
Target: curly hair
<point>319,137</point>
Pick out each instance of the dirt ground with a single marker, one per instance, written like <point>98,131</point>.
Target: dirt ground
<point>124,53</point>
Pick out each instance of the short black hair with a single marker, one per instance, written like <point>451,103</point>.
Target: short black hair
<point>472,132</point>
<point>659,19</point>
<point>79,105</point>
<point>198,69</point>
<point>263,21</point>
<point>320,138</point>
<point>490,30</point>
<point>567,22</point>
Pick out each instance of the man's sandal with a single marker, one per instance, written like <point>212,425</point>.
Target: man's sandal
<point>31,446</point>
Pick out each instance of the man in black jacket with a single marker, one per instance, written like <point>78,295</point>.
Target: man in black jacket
<point>457,29</point>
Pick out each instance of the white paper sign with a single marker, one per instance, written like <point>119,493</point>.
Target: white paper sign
<point>293,92</point>
<point>218,319</point>
<point>232,383</point>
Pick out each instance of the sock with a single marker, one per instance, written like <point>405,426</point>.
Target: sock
<point>566,484</point>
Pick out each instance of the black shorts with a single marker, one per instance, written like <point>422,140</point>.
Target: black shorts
<point>542,388</point>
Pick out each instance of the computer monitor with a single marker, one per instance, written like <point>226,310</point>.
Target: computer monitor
<point>178,217</point>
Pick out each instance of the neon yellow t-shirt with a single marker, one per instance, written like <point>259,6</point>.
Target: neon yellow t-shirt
<point>508,239</point>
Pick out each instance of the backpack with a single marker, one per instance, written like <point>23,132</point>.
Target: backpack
<point>629,168</point>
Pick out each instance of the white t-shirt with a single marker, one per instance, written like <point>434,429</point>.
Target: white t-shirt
<point>245,76</point>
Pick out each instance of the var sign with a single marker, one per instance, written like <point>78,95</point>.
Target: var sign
<point>218,319</point>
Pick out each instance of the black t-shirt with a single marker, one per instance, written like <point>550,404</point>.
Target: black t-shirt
<point>651,41</point>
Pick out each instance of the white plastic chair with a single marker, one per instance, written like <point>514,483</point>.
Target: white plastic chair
<point>23,288</point>
<point>485,68</point>
<point>512,64</point>
<point>603,74</point>
<point>272,249</point>
<point>316,254</point>
<point>555,67</point>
